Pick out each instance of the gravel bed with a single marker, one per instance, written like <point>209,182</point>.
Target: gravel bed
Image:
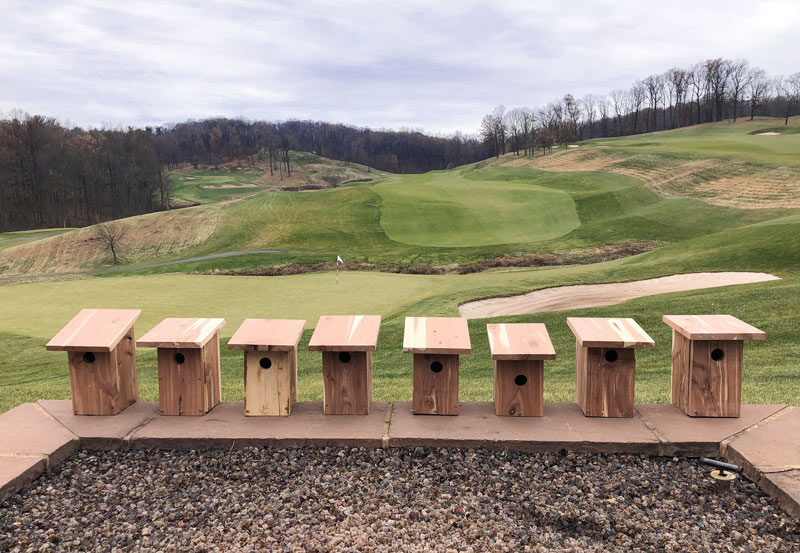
<point>414,499</point>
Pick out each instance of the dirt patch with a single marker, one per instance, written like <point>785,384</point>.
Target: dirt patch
<point>231,185</point>
<point>596,295</point>
<point>572,257</point>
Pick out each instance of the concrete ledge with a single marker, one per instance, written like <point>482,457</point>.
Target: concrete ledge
<point>698,436</point>
<point>783,487</point>
<point>16,471</point>
<point>100,432</point>
<point>28,430</point>
<point>769,454</point>
<point>764,440</point>
<point>563,426</point>
<point>226,427</point>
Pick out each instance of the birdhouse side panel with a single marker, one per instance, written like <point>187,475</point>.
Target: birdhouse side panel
<point>126,364</point>
<point>212,377</point>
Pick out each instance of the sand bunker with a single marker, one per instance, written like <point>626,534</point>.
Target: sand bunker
<point>594,295</point>
<point>231,185</point>
<point>768,134</point>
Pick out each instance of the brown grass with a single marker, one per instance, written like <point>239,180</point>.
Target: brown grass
<point>716,181</point>
<point>148,236</point>
<point>571,257</point>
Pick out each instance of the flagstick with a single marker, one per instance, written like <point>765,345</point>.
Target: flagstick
<point>337,274</point>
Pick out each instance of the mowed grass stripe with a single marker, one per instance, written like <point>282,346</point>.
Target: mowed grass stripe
<point>444,209</point>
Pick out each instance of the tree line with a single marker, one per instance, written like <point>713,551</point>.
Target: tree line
<point>708,91</point>
<point>54,176</point>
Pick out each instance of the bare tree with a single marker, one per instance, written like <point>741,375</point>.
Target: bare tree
<point>740,77</point>
<point>636,97</point>
<point>603,106</point>
<point>757,90</point>
<point>589,104</point>
<point>620,99</point>
<point>111,235</point>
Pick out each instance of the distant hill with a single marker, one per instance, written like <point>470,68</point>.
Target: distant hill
<point>660,188</point>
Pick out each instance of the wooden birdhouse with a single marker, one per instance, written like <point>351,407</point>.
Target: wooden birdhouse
<point>518,354</point>
<point>436,343</point>
<point>346,343</point>
<point>270,364</point>
<point>189,380</point>
<point>102,360</point>
<point>605,364</point>
<point>707,363</point>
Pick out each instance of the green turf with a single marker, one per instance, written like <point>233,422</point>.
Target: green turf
<point>444,209</point>
<point>191,185</point>
<point>16,238</point>
<point>738,141</point>
<point>471,213</point>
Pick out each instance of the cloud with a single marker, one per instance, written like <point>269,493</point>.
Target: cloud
<point>438,66</point>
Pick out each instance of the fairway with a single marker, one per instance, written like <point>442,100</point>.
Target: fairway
<point>443,209</point>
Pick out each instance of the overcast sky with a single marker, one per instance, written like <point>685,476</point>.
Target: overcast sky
<point>435,65</point>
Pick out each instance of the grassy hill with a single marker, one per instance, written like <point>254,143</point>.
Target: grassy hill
<point>232,181</point>
<point>499,207</point>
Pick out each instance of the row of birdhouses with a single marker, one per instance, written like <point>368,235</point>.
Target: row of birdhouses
<point>706,363</point>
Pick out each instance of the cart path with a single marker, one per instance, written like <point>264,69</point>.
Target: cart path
<point>596,295</point>
<point>148,266</point>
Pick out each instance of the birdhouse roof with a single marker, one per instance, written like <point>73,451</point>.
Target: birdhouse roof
<point>268,335</point>
<point>713,327</point>
<point>181,333</point>
<point>524,341</point>
<point>94,330</point>
<point>346,333</point>
<point>444,335</point>
<point>609,333</point>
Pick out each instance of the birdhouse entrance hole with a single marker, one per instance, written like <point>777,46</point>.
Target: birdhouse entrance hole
<point>436,366</point>
<point>179,358</point>
<point>717,354</point>
<point>344,357</point>
<point>265,362</point>
<point>612,355</point>
<point>88,357</point>
<point>520,380</point>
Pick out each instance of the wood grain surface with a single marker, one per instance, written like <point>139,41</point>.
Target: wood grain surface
<point>445,335</point>
<point>94,330</point>
<point>267,335</point>
<point>346,333</point>
<point>523,341</point>
<point>181,333</point>
<point>609,333</point>
<point>713,327</point>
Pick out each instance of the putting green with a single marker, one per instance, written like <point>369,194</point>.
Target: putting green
<point>444,209</point>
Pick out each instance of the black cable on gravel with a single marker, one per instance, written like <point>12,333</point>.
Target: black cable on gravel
<point>410,499</point>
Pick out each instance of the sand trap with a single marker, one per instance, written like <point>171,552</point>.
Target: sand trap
<point>594,295</point>
<point>241,185</point>
<point>573,146</point>
<point>768,134</point>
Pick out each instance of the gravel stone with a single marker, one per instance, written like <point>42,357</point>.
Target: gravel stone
<point>415,499</point>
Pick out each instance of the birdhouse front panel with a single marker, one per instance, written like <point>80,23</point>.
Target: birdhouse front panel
<point>519,388</point>
<point>435,384</point>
